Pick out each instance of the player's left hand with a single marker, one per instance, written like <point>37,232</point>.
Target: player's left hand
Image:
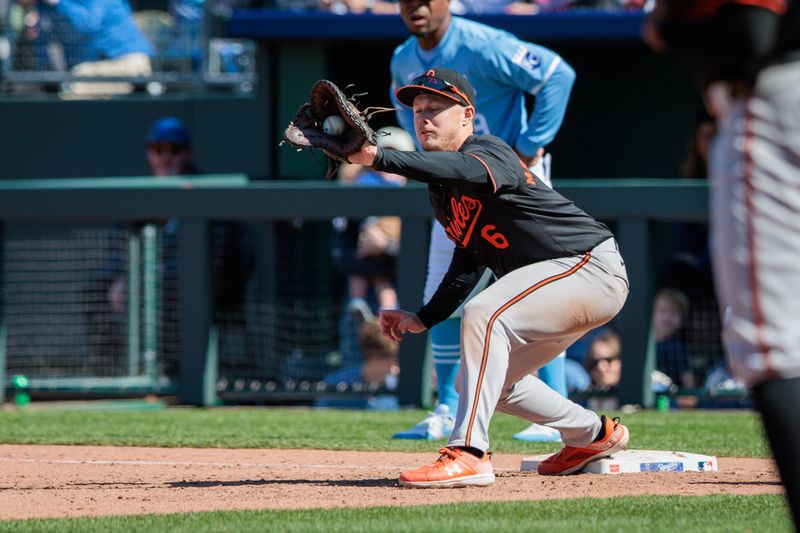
<point>396,322</point>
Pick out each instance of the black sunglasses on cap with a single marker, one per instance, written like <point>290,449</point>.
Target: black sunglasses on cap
<point>435,81</point>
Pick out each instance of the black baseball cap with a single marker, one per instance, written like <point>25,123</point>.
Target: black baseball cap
<point>442,81</point>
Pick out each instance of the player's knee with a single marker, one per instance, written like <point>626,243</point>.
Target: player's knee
<point>505,395</point>
<point>477,312</point>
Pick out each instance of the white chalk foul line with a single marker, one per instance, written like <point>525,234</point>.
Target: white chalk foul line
<point>213,464</point>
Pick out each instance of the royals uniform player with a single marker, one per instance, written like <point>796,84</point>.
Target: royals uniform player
<point>502,69</point>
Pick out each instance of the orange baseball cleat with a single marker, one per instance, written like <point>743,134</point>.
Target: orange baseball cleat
<point>570,459</point>
<point>453,468</point>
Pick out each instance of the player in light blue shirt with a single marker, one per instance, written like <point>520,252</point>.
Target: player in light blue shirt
<point>502,69</point>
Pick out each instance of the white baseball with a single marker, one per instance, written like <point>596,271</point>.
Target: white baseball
<point>333,125</point>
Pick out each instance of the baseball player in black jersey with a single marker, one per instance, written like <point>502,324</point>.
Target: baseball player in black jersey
<point>559,275</point>
<point>747,56</point>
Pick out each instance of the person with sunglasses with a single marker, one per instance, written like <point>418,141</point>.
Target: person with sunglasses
<point>559,274</point>
<point>169,149</point>
<point>604,366</point>
<point>170,152</point>
<point>505,71</point>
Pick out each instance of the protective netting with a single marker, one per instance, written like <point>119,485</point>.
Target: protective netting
<point>689,367</point>
<point>60,317</point>
<point>686,314</point>
<point>286,328</point>
<point>104,302</point>
<point>89,302</point>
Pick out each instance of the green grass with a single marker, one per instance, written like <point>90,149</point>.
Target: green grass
<point>721,433</point>
<point>721,513</point>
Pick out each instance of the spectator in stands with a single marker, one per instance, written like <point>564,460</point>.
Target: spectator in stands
<point>597,380</point>
<point>380,7</point>
<point>508,7</point>
<point>169,153</point>
<point>29,54</point>
<point>550,6</point>
<point>603,362</point>
<point>464,7</point>
<point>378,370</point>
<point>188,17</point>
<point>169,149</point>
<point>604,365</point>
<point>670,309</point>
<point>95,38</point>
<point>354,7</point>
<point>597,374</point>
<point>577,377</point>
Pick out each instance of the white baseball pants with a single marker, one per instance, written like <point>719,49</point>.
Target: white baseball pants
<point>755,220</point>
<point>522,322</point>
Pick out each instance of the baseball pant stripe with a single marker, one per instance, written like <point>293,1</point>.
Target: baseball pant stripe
<point>758,316</point>
<point>488,334</point>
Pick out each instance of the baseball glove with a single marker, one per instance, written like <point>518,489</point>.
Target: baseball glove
<point>306,128</point>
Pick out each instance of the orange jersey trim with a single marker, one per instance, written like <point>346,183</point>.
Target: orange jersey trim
<point>490,325</point>
<point>491,176</point>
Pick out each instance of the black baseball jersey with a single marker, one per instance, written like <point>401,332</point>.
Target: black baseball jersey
<point>497,212</point>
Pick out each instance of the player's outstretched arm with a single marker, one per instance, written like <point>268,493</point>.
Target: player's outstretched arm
<point>396,322</point>
<point>365,156</point>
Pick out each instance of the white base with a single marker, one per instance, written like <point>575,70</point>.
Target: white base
<point>636,461</point>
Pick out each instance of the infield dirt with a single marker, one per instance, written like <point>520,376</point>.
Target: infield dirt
<point>60,481</point>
